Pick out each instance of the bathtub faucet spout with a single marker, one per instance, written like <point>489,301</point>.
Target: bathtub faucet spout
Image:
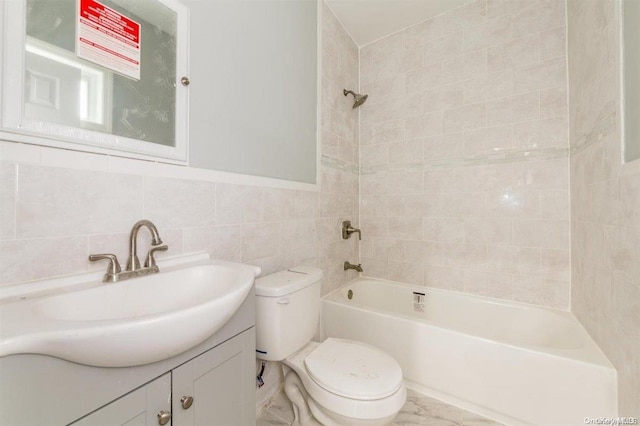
<point>348,266</point>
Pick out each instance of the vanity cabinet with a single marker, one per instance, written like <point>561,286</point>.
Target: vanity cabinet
<point>221,385</point>
<point>219,374</point>
<point>214,388</point>
<point>137,408</point>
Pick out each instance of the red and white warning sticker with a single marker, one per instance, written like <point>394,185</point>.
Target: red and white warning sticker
<point>108,38</point>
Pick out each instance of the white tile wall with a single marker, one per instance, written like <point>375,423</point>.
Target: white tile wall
<point>605,197</point>
<point>58,206</point>
<point>52,201</point>
<point>469,190</point>
<point>8,178</point>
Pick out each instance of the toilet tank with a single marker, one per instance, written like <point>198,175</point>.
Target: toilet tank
<point>287,311</point>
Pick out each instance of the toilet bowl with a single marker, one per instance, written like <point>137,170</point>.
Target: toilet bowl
<point>336,382</point>
<point>345,383</point>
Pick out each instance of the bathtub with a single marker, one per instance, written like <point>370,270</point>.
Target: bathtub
<point>516,363</point>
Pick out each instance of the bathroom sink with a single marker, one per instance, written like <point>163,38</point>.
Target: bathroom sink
<point>127,323</point>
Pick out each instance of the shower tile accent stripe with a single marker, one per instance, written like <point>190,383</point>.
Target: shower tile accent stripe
<point>464,153</point>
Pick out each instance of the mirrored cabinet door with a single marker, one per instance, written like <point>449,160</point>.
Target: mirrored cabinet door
<point>102,76</point>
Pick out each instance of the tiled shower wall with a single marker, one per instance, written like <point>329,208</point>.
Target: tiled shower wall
<point>57,207</point>
<point>605,197</point>
<point>464,153</point>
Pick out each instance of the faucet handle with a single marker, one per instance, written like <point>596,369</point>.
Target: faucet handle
<point>151,261</point>
<point>114,265</point>
<point>347,230</point>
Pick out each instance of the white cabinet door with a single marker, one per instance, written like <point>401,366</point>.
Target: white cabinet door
<point>221,382</point>
<point>137,408</point>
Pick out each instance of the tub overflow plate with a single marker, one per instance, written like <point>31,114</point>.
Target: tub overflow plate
<point>418,301</point>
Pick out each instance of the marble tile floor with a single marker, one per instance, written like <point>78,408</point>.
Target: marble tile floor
<point>419,410</point>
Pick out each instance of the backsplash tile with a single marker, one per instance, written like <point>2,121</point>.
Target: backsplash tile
<point>222,242</point>
<point>260,240</point>
<point>32,259</point>
<point>53,202</point>
<point>8,176</point>
<point>238,204</point>
<point>174,203</point>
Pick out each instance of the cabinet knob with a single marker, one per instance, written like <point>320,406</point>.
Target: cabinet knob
<point>164,417</point>
<point>185,81</point>
<point>186,401</point>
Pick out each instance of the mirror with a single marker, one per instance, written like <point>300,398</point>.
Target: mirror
<point>631,79</point>
<point>100,73</point>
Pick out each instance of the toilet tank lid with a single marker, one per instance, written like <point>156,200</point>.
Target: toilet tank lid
<point>288,281</point>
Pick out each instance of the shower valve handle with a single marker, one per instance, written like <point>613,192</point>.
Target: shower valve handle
<point>347,230</point>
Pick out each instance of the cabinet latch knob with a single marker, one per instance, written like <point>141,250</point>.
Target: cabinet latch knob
<point>164,417</point>
<point>186,401</point>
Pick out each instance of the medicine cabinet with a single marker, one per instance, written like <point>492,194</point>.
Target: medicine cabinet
<point>101,76</point>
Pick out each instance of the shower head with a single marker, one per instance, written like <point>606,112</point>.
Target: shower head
<point>358,99</point>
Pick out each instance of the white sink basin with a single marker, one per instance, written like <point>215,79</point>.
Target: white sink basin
<point>133,322</point>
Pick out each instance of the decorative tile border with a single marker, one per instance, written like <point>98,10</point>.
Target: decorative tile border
<point>502,157</point>
<point>601,129</point>
<point>334,163</point>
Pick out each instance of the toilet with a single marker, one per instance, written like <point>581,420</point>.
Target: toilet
<point>336,382</point>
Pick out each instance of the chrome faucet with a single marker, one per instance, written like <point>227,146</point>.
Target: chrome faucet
<point>115,273</point>
<point>133,264</point>
<point>357,267</point>
<point>347,230</point>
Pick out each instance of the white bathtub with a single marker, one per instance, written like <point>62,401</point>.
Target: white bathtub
<point>515,363</point>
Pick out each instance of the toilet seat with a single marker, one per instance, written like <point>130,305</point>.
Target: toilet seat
<point>353,370</point>
<point>344,405</point>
